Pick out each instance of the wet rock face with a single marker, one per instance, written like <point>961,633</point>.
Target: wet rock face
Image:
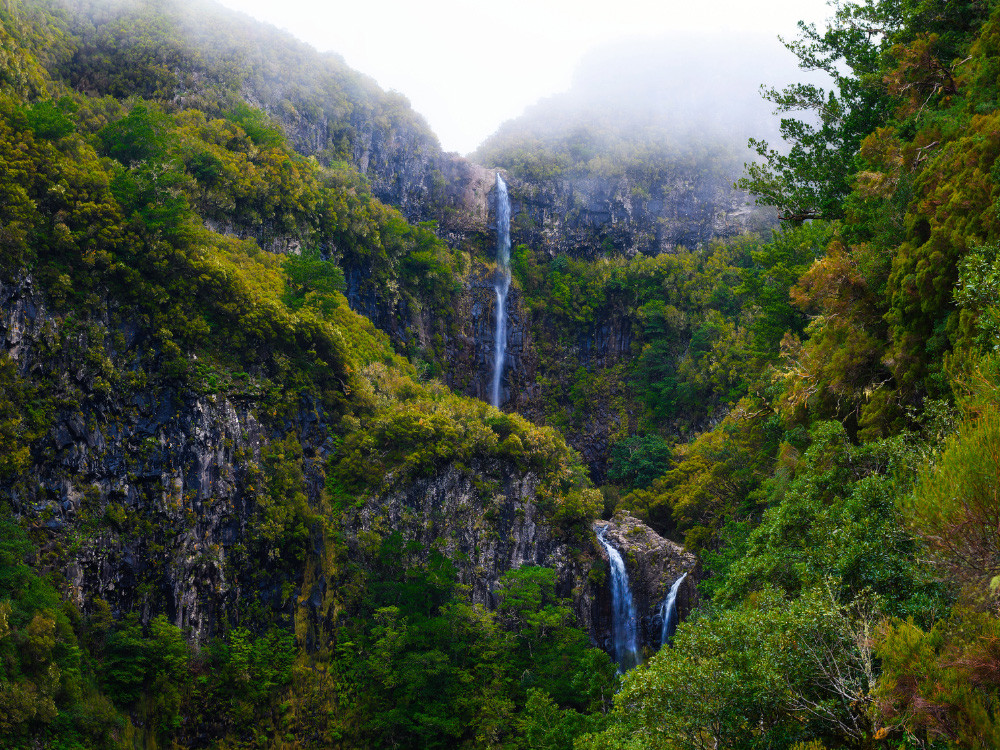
<point>146,497</point>
<point>145,494</point>
<point>470,356</point>
<point>653,565</point>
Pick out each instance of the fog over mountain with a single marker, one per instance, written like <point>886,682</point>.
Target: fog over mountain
<point>679,85</point>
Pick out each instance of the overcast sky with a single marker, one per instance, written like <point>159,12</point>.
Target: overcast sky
<point>468,65</point>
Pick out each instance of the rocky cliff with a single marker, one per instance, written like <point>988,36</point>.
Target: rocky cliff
<point>148,493</point>
<point>489,526</point>
<point>591,216</point>
<point>142,491</point>
<point>653,564</point>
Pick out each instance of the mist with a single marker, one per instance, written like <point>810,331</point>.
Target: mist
<point>675,87</point>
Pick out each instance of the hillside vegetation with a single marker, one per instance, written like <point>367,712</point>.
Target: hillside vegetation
<point>200,428</point>
<point>105,200</point>
<point>852,587</point>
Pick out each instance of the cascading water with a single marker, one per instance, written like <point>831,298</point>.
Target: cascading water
<point>668,612</point>
<point>502,286</point>
<point>624,631</point>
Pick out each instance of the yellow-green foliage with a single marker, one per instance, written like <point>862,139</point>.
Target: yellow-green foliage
<point>26,34</point>
<point>691,319</point>
<point>411,429</point>
<point>710,477</point>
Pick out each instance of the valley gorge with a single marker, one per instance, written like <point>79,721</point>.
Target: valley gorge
<point>616,433</point>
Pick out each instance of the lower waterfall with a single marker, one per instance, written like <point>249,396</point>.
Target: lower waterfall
<point>624,630</point>
<point>668,613</point>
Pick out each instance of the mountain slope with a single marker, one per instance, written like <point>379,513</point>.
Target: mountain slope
<point>203,444</point>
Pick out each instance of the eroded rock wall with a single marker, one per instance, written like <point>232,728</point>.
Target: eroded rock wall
<point>592,217</point>
<point>144,493</point>
<point>142,488</point>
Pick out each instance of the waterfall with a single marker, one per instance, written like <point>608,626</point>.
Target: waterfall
<point>502,285</point>
<point>668,612</point>
<point>623,618</point>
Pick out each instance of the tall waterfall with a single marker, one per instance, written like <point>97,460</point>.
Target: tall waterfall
<point>668,612</point>
<point>502,285</point>
<point>623,617</point>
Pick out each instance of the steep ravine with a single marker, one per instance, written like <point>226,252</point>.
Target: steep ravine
<point>584,218</point>
<point>146,494</point>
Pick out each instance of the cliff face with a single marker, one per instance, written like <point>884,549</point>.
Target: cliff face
<point>408,170</point>
<point>403,163</point>
<point>143,492</point>
<point>148,495</point>
<point>582,215</point>
<point>591,217</point>
<point>486,527</point>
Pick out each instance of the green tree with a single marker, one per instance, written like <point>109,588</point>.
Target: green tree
<point>639,459</point>
<point>143,135</point>
<point>811,179</point>
<point>766,674</point>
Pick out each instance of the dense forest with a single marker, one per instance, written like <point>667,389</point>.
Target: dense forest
<point>236,512</point>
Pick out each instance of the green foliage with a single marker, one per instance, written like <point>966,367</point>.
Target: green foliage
<point>976,294</point>
<point>256,125</point>
<point>312,282</point>
<point>712,478</point>
<point>941,685</point>
<point>443,673</point>
<point>766,674</point>
<point>639,459</point>
<point>811,178</point>
<point>415,430</point>
<point>776,267</point>
<point>839,366</point>
<point>954,505</point>
<point>249,673</point>
<point>684,314</point>
<point>283,517</point>
<point>140,136</point>
<point>23,419</point>
<point>172,52</point>
<point>548,653</point>
<point>52,120</point>
<point>545,725</point>
<point>834,519</point>
<point>47,691</point>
